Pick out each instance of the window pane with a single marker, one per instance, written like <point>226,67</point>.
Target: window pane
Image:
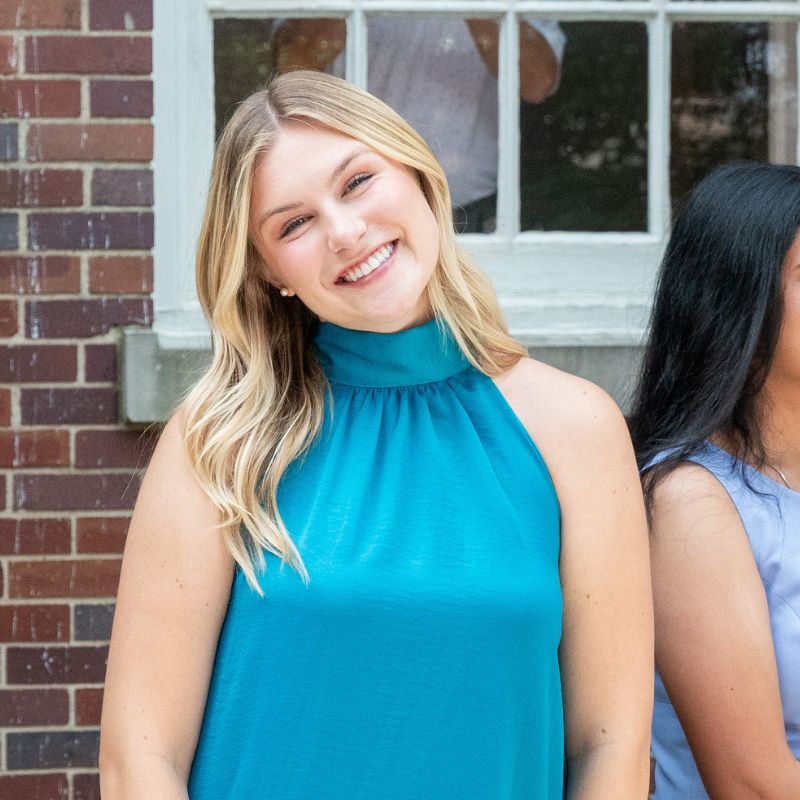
<point>248,51</point>
<point>584,149</point>
<point>439,72</point>
<point>734,96</point>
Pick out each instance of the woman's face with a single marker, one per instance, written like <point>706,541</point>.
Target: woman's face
<point>786,360</point>
<point>345,229</point>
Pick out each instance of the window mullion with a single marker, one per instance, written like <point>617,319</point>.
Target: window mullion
<point>797,73</point>
<point>658,122</point>
<point>356,47</point>
<point>508,201</point>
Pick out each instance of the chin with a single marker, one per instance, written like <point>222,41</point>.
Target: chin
<point>398,319</point>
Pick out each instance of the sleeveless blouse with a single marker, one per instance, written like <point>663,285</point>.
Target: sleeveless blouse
<point>421,658</point>
<point>771,519</point>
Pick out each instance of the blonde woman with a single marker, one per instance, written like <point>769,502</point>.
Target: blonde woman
<point>378,553</point>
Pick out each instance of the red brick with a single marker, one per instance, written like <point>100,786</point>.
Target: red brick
<point>88,705</point>
<point>120,448</point>
<point>128,15</point>
<point>9,231</point>
<point>39,448</point>
<point>44,786</point>
<point>52,749</point>
<point>5,407</point>
<point>2,504</point>
<point>54,665</point>
<point>98,231</point>
<point>104,492</point>
<point>68,406</point>
<point>8,317</point>
<point>40,14</point>
<point>131,98</point>
<point>80,318</point>
<point>86,786</point>
<point>9,135</point>
<point>100,142</point>
<point>121,274</point>
<point>101,363</point>
<point>67,578</point>
<point>40,274</point>
<point>102,534</point>
<point>41,188</point>
<point>40,98</point>
<point>34,707</point>
<point>9,58</point>
<point>34,536</point>
<point>34,623</point>
<point>108,55</point>
<point>122,187</point>
<point>38,363</point>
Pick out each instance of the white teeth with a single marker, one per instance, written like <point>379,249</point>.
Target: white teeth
<point>370,265</point>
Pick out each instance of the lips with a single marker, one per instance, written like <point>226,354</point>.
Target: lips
<point>366,266</point>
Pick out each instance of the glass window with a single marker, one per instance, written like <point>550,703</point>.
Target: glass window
<point>583,159</point>
<point>248,51</point>
<point>734,96</point>
<point>440,74</point>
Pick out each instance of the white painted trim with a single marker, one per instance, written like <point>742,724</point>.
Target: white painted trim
<point>658,124</point>
<point>508,200</point>
<point>184,141</point>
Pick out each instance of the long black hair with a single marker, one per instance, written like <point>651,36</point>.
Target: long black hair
<point>716,317</point>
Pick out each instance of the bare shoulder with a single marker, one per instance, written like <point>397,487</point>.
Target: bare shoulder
<point>173,512</point>
<point>170,451</point>
<point>565,415</point>
<point>689,502</point>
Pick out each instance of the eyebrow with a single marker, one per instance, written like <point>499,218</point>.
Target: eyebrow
<point>334,177</point>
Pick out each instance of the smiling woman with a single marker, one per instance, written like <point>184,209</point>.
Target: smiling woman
<point>386,564</point>
<point>334,219</point>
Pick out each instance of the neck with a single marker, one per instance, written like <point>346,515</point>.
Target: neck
<point>779,409</point>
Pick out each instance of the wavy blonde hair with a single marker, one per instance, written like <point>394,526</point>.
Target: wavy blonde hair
<point>261,402</point>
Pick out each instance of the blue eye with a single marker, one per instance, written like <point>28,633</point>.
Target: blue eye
<point>356,181</point>
<point>292,225</point>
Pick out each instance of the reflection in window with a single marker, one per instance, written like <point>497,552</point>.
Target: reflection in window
<point>734,96</point>
<point>243,62</point>
<point>439,73</point>
<point>248,51</point>
<point>583,154</point>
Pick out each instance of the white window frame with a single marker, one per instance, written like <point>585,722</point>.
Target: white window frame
<point>558,288</point>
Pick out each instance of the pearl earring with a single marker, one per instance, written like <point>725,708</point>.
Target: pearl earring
<point>284,292</point>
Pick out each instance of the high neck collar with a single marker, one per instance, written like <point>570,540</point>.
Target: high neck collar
<point>418,355</point>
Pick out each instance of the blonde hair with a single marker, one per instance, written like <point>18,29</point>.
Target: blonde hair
<point>261,402</point>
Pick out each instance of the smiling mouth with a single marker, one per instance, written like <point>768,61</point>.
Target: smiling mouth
<point>369,265</point>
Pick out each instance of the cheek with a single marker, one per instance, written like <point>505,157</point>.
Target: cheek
<point>290,266</point>
<point>430,233</point>
<point>787,354</point>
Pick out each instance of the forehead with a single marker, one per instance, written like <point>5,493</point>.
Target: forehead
<point>303,151</point>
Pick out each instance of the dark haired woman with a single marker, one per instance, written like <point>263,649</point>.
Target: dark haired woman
<point>716,425</point>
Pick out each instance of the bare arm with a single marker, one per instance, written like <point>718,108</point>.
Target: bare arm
<point>607,645</point>
<point>714,647</point>
<point>175,583</point>
<point>538,67</point>
<point>315,43</point>
<point>308,43</point>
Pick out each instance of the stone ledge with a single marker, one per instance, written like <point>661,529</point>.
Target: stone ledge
<point>154,379</point>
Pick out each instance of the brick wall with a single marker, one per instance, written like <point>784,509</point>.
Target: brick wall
<point>76,229</point>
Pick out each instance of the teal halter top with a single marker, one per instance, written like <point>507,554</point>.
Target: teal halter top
<point>420,662</point>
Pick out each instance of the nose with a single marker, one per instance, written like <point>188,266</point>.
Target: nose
<point>345,228</point>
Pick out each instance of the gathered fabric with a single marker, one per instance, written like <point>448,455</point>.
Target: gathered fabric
<point>421,658</point>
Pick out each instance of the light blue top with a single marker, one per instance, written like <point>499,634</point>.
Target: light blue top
<point>772,523</point>
<point>421,661</point>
